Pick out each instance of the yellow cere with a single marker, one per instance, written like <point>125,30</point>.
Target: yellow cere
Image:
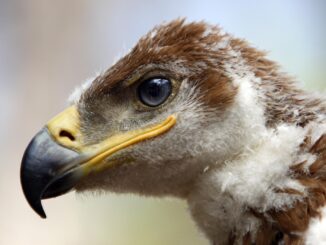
<point>67,121</point>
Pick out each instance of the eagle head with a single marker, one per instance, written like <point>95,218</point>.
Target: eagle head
<point>150,124</point>
<point>195,113</point>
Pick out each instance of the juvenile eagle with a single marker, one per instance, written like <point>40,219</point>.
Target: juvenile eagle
<point>195,113</point>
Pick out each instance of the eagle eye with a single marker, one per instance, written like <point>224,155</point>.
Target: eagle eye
<point>154,91</point>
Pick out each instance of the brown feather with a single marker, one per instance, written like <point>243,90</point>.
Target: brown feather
<point>295,220</point>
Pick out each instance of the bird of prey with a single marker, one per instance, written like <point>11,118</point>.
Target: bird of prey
<point>195,113</point>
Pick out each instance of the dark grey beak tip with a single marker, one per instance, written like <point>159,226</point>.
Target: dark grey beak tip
<point>32,189</point>
<point>42,172</point>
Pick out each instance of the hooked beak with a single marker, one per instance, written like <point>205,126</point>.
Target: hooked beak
<point>57,159</point>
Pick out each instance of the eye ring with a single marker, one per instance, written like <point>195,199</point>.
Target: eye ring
<point>154,91</point>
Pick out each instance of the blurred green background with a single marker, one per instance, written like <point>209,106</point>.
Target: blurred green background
<point>48,47</point>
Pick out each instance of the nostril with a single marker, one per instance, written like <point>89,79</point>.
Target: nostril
<point>64,133</point>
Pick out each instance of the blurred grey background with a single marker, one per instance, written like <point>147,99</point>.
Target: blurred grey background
<point>49,47</point>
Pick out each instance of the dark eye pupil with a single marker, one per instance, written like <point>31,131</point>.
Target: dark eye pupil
<point>154,91</point>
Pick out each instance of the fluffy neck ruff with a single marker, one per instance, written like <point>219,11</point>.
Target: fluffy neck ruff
<point>263,191</point>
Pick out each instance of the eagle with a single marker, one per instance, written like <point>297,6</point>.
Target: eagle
<point>195,113</point>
